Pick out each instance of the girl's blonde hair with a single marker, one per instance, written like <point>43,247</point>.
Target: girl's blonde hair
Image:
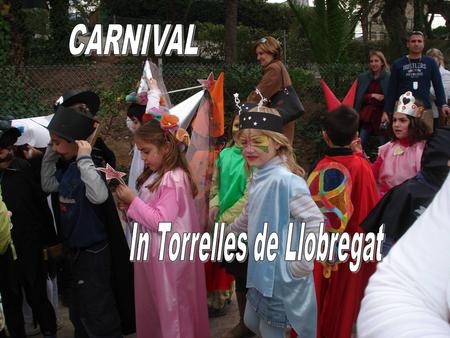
<point>379,54</point>
<point>436,53</point>
<point>285,150</point>
<point>151,132</point>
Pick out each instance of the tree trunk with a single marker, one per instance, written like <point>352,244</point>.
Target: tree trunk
<point>428,29</point>
<point>14,18</point>
<point>447,24</point>
<point>394,20</point>
<point>365,28</point>
<point>418,15</point>
<point>187,12</point>
<point>231,31</point>
<point>59,27</point>
<point>366,8</point>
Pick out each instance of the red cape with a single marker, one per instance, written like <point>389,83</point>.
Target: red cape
<point>339,297</point>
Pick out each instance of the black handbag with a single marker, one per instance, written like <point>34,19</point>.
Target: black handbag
<point>287,102</point>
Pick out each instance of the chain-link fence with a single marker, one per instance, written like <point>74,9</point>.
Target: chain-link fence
<point>32,90</point>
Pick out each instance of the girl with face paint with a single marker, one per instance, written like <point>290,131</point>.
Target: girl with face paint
<point>281,293</point>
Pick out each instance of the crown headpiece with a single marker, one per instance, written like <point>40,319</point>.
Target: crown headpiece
<point>407,105</point>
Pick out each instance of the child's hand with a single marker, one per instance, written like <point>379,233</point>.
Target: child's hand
<point>122,206</point>
<point>356,146</point>
<point>84,148</point>
<point>125,194</point>
<point>445,111</point>
<point>93,137</point>
<point>152,84</point>
<point>378,97</point>
<point>31,152</point>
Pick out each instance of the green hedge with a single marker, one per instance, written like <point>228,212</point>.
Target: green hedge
<point>18,100</point>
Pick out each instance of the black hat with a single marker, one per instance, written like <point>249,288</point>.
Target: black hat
<point>259,120</point>
<point>8,134</point>
<point>71,124</point>
<point>71,97</point>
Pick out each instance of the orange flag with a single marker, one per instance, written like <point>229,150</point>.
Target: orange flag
<point>216,91</point>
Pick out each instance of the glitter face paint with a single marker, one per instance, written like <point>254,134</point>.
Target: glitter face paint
<point>258,141</point>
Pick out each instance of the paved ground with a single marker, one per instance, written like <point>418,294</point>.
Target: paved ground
<point>218,326</point>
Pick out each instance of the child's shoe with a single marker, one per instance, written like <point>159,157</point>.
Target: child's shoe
<point>31,329</point>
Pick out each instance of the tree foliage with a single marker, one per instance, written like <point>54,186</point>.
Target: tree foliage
<point>252,13</point>
<point>5,37</point>
<point>212,44</point>
<point>59,28</point>
<point>329,27</point>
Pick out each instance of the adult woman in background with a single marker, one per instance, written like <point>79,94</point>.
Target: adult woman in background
<point>445,75</point>
<point>369,101</point>
<point>275,76</point>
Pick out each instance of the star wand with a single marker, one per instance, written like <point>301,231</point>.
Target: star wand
<point>111,174</point>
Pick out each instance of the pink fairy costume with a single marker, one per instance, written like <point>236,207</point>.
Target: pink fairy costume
<point>170,296</point>
<point>398,160</point>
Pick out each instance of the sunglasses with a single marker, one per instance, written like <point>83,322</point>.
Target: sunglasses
<point>416,33</point>
<point>263,40</point>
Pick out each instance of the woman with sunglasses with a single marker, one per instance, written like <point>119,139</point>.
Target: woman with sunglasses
<point>275,76</point>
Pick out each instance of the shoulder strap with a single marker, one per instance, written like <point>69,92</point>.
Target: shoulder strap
<point>282,76</point>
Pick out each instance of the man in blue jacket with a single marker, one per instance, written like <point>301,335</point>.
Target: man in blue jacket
<point>415,72</point>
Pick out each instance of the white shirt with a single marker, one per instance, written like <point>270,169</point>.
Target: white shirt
<point>445,75</point>
<point>409,295</point>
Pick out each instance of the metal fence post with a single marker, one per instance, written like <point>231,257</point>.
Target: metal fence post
<point>160,65</point>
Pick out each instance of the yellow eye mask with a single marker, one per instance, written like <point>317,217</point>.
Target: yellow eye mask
<point>259,141</point>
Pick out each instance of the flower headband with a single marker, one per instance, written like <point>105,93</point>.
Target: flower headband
<point>168,123</point>
<point>140,98</point>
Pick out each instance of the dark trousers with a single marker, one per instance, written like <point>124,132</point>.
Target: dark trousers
<point>13,277</point>
<point>92,305</point>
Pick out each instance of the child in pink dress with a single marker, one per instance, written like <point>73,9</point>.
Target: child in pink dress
<point>170,296</point>
<point>399,159</point>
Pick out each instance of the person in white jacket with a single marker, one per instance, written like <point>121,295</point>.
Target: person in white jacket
<point>409,295</point>
<point>445,75</point>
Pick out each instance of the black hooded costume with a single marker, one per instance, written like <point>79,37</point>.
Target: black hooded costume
<point>32,222</point>
<point>72,125</point>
